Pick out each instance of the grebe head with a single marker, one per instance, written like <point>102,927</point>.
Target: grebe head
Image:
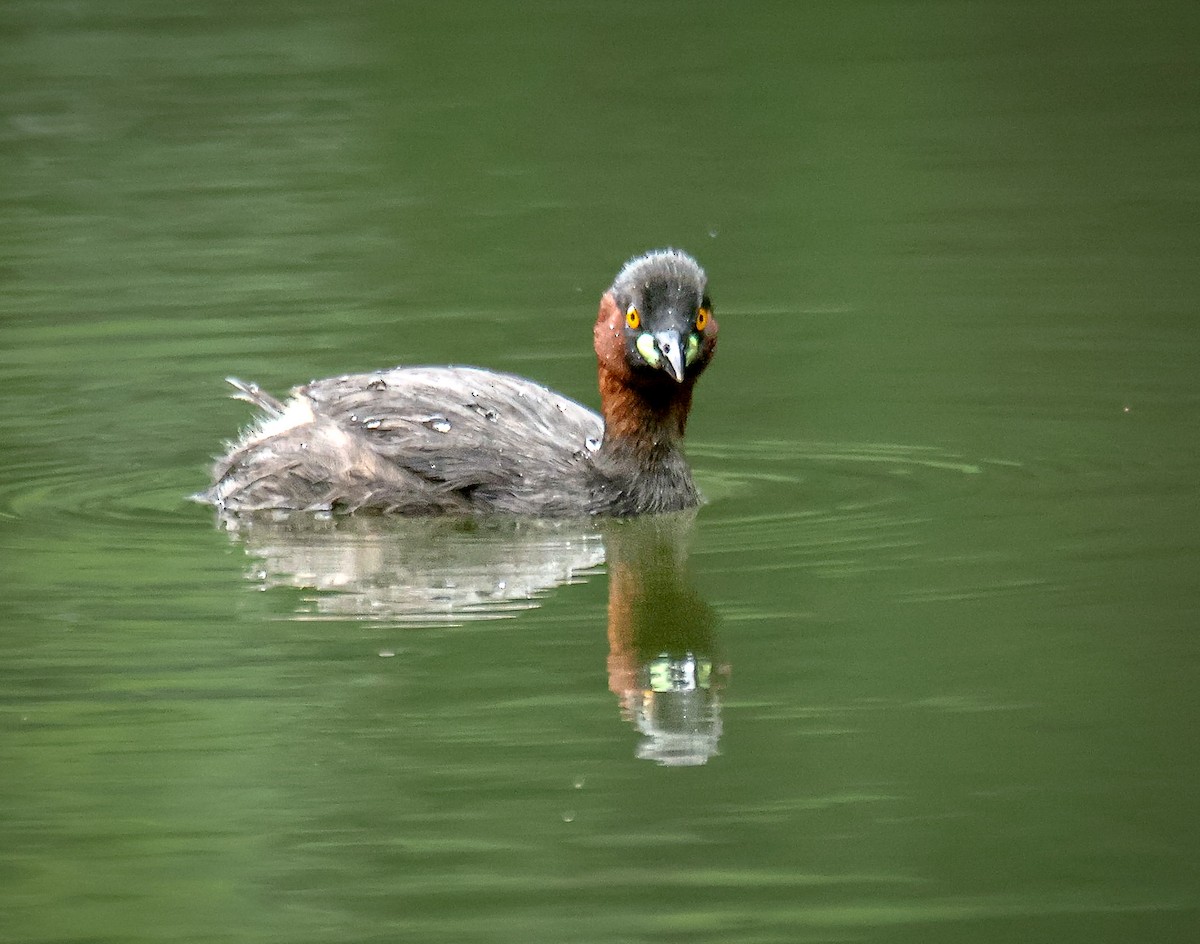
<point>656,323</point>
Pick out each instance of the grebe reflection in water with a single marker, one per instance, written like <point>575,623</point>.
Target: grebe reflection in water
<point>663,662</point>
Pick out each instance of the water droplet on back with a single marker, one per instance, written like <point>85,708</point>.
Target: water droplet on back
<point>439,424</point>
<point>592,443</point>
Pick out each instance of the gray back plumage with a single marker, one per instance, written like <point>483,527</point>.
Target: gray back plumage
<point>417,439</point>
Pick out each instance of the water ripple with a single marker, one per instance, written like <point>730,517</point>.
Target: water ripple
<point>842,507</point>
<point>143,497</point>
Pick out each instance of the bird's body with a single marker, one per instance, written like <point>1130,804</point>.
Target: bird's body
<point>463,440</point>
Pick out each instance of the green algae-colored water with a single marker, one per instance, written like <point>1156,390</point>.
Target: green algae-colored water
<point>924,668</point>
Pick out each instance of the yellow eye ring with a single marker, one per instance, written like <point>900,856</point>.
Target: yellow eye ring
<point>633,319</point>
<point>702,319</point>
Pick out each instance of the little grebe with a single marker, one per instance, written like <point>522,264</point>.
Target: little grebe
<point>429,440</point>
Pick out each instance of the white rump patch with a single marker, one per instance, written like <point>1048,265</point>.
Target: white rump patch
<point>296,412</point>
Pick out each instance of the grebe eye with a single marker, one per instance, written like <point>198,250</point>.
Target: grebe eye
<point>702,319</point>
<point>632,318</point>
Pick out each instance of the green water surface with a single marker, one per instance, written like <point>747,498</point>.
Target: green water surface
<point>941,607</point>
